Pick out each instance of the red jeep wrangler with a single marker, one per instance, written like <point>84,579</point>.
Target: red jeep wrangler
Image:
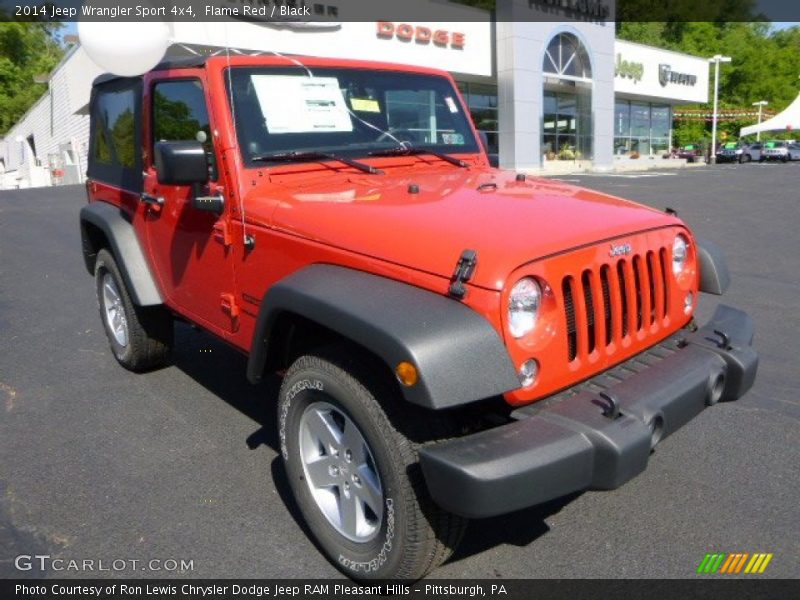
<point>455,341</point>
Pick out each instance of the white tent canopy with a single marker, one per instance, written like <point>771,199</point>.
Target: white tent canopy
<point>787,119</point>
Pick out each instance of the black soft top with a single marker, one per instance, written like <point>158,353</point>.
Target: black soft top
<point>185,62</point>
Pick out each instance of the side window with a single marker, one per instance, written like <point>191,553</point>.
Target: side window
<point>180,114</point>
<point>115,141</point>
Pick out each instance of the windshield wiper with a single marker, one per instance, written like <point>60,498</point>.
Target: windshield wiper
<point>408,150</point>
<point>313,155</point>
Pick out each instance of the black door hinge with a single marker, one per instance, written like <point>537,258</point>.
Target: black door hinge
<point>465,267</point>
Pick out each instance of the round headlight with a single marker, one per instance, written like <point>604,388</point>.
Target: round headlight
<point>523,306</point>
<point>680,251</point>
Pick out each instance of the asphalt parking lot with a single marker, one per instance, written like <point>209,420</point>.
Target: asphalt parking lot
<point>181,464</point>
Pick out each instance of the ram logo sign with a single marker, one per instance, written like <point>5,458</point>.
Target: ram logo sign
<point>667,75</point>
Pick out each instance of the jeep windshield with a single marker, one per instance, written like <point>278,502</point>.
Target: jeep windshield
<point>289,112</point>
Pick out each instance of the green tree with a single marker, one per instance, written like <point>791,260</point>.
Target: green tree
<point>172,119</point>
<point>26,50</point>
<point>765,65</point>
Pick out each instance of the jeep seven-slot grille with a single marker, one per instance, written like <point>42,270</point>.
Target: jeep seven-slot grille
<point>603,305</point>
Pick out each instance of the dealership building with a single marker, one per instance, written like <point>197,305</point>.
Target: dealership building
<point>546,92</point>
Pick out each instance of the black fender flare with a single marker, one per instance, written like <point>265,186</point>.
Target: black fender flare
<point>714,275</point>
<point>126,249</point>
<point>458,354</point>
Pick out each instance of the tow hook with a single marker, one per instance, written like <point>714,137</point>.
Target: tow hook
<point>610,407</point>
<point>724,342</point>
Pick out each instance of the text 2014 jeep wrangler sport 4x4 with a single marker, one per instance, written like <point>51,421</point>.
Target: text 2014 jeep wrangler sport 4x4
<point>455,341</point>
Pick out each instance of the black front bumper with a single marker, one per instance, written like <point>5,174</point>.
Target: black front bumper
<point>599,434</point>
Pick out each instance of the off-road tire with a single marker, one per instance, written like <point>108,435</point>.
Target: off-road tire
<point>149,329</point>
<point>415,535</point>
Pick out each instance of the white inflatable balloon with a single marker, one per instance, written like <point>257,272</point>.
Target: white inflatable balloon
<point>125,48</point>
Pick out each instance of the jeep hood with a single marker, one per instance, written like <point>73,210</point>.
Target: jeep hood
<point>509,223</point>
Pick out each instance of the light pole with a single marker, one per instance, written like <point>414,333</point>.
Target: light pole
<point>716,59</point>
<point>760,104</point>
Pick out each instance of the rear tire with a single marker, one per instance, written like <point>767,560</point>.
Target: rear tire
<point>140,337</point>
<point>399,532</point>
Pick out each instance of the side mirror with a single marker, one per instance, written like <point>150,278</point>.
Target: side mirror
<point>181,163</point>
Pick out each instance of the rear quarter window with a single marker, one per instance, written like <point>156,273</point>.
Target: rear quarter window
<point>115,155</point>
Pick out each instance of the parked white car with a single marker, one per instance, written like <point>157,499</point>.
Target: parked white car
<point>781,150</point>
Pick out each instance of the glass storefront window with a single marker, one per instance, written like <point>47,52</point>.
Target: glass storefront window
<point>641,127</point>
<point>567,125</point>
<point>640,120</point>
<point>659,146</point>
<point>566,56</point>
<point>622,119</point>
<point>659,121</point>
<point>481,99</point>
<point>567,115</point>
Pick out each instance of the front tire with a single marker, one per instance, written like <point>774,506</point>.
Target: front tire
<point>349,444</point>
<point>140,337</point>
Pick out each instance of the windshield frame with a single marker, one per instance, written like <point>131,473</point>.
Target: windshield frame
<point>471,142</point>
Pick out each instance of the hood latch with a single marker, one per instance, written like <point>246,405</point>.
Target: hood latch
<point>465,267</point>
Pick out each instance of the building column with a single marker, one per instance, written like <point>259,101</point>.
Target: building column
<point>519,95</point>
<point>602,50</point>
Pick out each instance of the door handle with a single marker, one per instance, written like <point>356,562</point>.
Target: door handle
<point>152,200</point>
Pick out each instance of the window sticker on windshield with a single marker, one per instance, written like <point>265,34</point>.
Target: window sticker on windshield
<point>451,104</point>
<point>292,104</point>
<point>365,105</point>
<point>454,139</point>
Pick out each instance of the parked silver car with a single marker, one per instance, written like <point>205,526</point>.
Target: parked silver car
<point>754,151</point>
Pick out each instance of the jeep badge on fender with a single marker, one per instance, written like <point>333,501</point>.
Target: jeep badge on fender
<point>338,222</point>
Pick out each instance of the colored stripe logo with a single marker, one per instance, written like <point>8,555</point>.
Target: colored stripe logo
<point>722,563</point>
